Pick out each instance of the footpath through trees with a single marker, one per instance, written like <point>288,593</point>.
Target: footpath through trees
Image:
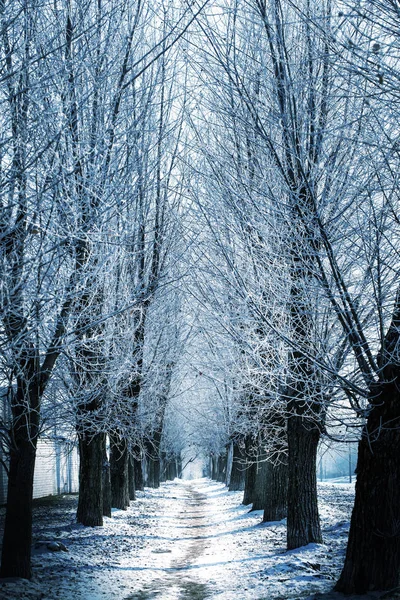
<point>185,540</point>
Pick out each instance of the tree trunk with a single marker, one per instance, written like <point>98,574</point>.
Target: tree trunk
<point>221,468</point>
<point>260,483</point>
<point>149,464</point>
<point>163,467</point>
<point>238,471</point>
<point>214,467</point>
<point>251,471</point>
<point>172,469</point>
<point>276,491</point>
<point>153,460</point>
<point>131,477</point>
<point>249,483</point>
<point>153,472</point>
<point>17,540</point>
<point>373,552</point>
<point>106,482</point>
<point>90,503</point>
<point>119,472</point>
<point>137,463</point>
<point>156,471</point>
<point>303,526</point>
<point>178,463</point>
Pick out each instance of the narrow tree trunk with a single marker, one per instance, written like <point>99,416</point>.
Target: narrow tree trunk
<point>260,483</point>
<point>153,472</point>
<point>153,460</point>
<point>222,462</point>
<point>16,553</point>
<point>156,472</point>
<point>229,460</point>
<point>137,463</point>
<point>214,470</point>
<point>238,471</point>
<point>373,552</point>
<point>163,467</point>
<point>131,477</point>
<point>172,469</point>
<point>119,472</point>
<point>251,471</point>
<point>249,482</point>
<point>90,503</point>
<point>106,482</point>
<point>178,465</point>
<point>303,526</point>
<point>149,464</point>
<point>276,491</point>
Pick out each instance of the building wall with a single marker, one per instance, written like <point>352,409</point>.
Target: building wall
<point>56,470</point>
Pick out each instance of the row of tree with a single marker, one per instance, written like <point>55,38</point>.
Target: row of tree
<point>198,237</point>
<point>91,114</point>
<point>295,189</point>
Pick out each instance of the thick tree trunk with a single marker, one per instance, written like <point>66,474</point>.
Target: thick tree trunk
<point>106,482</point>
<point>16,553</point>
<point>303,526</point>
<point>119,472</point>
<point>131,477</point>
<point>90,503</point>
<point>276,492</point>
<point>373,552</point>
<point>238,471</point>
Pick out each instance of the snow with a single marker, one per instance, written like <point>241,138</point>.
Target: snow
<point>186,540</point>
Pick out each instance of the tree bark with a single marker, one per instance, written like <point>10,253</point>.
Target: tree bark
<point>131,477</point>
<point>153,460</point>
<point>17,540</point>
<point>250,482</point>
<point>276,492</point>
<point>163,467</point>
<point>303,526</point>
<point>250,473</point>
<point>221,468</point>
<point>214,467</point>
<point>172,470</point>
<point>373,552</point>
<point>238,471</point>
<point>119,472</point>
<point>137,463</point>
<point>106,482</point>
<point>90,503</point>
<point>178,463</point>
<point>260,483</point>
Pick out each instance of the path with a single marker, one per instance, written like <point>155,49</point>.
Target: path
<point>185,541</point>
<point>178,581</point>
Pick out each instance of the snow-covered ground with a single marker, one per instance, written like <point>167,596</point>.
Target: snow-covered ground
<point>187,540</point>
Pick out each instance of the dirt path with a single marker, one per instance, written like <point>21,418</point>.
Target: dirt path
<point>179,582</point>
